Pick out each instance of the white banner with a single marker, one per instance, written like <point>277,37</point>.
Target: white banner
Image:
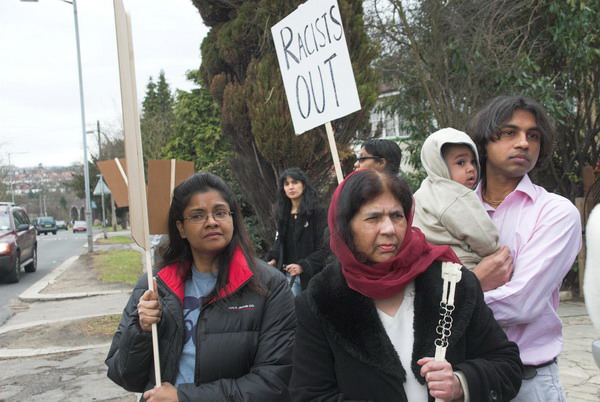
<point>315,64</point>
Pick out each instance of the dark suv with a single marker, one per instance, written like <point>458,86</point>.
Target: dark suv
<point>46,224</point>
<point>18,243</point>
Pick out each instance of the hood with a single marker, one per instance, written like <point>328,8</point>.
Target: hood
<point>431,152</point>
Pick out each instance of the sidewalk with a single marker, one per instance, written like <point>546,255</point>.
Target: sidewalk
<point>42,356</point>
<point>579,375</point>
<point>39,346</point>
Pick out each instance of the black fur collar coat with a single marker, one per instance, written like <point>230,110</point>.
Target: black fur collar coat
<point>342,351</point>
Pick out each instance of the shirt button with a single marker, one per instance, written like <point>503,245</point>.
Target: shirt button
<point>493,395</point>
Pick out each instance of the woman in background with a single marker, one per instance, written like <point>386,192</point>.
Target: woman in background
<point>301,221</point>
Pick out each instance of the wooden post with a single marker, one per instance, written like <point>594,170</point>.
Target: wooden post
<point>334,152</point>
<point>136,183</point>
<point>579,203</point>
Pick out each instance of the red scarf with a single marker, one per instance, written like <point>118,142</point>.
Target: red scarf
<point>386,279</point>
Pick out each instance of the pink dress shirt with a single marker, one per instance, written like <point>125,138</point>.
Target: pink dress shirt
<point>543,232</point>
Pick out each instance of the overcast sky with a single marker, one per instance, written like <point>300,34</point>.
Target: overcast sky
<point>39,87</point>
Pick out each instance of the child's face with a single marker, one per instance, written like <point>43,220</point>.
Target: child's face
<point>462,165</point>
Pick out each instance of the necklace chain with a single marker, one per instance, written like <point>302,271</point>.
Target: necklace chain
<point>493,203</point>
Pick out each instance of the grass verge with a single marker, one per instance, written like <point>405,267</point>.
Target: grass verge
<point>123,266</point>
<point>115,240</point>
<point>105,325</point>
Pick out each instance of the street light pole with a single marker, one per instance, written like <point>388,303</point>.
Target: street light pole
<point>88,202</point>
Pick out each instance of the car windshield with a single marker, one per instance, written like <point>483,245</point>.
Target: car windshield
<point>4,222</point>
<point>46,220</point>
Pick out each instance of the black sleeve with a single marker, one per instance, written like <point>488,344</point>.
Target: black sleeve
<point>275,252</point>
<point>313,374</point>
<point>492,366</point>
<point>130,357</point>
<point>315,261</point>
<point>269,376</point>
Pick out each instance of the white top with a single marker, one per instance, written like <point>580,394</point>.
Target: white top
<point>400,331</point>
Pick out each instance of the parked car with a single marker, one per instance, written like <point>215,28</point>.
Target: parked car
<point>46,224</point>
<point>62,225</point>
<point>18,242</point>
<point>79,226</point>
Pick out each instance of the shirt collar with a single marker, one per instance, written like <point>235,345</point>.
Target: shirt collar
<point>525,186</point>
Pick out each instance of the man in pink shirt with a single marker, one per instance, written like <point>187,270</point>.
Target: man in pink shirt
<point>514,135</point>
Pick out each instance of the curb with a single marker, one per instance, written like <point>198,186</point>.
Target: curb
<point>31,324</point>
<point>32,294</point>
<point>6,354</point>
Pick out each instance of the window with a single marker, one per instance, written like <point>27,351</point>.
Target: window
<point>18,219</point>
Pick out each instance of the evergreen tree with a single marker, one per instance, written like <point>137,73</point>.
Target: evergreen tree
<point>240,68</point>
<point>158,119</point>
<point>197,133</point>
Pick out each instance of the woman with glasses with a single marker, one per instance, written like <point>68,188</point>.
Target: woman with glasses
<point>380,155</point>
<point>301,221</point>
<point>225,319</point>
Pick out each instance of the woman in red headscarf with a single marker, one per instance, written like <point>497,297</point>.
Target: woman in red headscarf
<point>367,324</point>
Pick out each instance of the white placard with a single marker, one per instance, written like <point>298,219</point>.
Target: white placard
<point>315,64</point>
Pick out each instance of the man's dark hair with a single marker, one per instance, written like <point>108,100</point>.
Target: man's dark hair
<point>363,187</point>
<point>385,149</point>
<point>484,127</point>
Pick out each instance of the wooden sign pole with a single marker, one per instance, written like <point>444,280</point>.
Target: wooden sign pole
<point>334,152</point>
<point>138,206</point>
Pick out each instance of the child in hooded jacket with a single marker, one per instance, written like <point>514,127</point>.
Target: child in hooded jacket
<point>447,210</point>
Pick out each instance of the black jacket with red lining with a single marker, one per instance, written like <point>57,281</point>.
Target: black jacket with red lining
<point>244,340</point>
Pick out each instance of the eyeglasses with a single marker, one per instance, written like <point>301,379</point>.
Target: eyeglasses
<point>362,158</point>
<point>200,218</point>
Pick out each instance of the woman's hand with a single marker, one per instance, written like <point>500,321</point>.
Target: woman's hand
<point>149,309</point>
<point>273,262</point>
<point>494,270</point>
<point>441,380</point>
<point>164,392</point>
<point>294,269</point>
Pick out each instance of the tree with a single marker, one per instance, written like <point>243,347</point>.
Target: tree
<point>447,58</point>
<point>240,68</point>
<point>565,76</point>
<point>157,119</point>
<point>112,145</point>
<point>197,133</point>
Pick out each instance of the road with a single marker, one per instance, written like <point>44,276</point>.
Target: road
<point>53,250</point>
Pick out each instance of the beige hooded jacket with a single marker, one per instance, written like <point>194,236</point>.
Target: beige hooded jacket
<point>448,212</point>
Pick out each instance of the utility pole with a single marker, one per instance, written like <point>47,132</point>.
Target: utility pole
<point>113,212</point>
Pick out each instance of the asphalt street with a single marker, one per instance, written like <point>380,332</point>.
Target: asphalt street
<point>53,250</point>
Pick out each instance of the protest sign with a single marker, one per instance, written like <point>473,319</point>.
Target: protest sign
<point>163,176</point>
<point>316,69</point>
<point>315,64</point>
<point>136,184</point>
<point>115,180</point>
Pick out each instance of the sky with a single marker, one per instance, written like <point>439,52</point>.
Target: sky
<point>40,112</point>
